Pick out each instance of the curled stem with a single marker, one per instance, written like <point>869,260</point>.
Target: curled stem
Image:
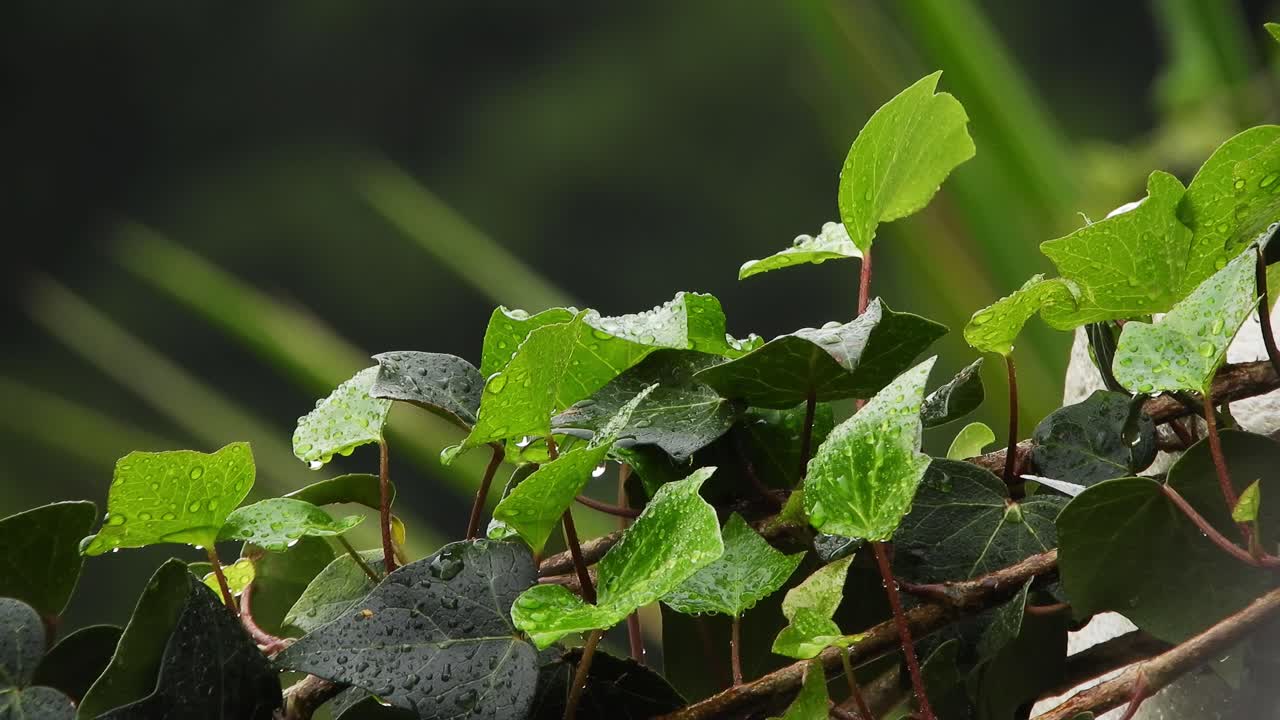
<point>580,675</point>
<point>269,643</point>
<point>904,632</point>
<point>384,506</point>
<point>482,494</point>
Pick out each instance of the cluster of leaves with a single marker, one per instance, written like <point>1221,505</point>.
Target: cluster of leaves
<point>709,427</point>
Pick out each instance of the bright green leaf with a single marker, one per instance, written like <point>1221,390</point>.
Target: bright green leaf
<point>855,359</point>
<point>862,479</point>
<point>1185,349</point>
<point>1232,199</point>
<point>748,571</point>
<point>39,554</point>
<point>277,523</point>
<point>811,702</point>
<point>970,441</point>
<point>994,328</point>
<point>901,157</point>
<point>239,574</point>
<point>445,385</point>
<point>1246,509</point>
<point>809,608</point>
<point>348,418</point>
<point>961,395</point>
<point>676,535</point>
<point>360,488</point>
<point>508,329</point>
<point>831,244</point>
<point>339,586</point>
<point>1274,29</point>
<point>181,496</point>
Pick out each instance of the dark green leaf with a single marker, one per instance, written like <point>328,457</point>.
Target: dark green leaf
<point>944,684</point>
<point>180,496</point>
<point>44,703</point>
<point>360,488</point>
<point>339,586</point>
<point>442,384</point>
<point>348,418</point>
<point>862,479</point>
<point>78,659</point>
<point>281,578</point>
<point>771,440</point>
<point>435,637</point>
<point>681,415</point>
<point>963,525</point>
<point>508,329</point>
<point>961,395</point>
<point>811,702</point>
<point>1024,669</point>
<point>856,359</point>
<point>277,523</point>
<point>1106,436</point>
<point>39,554</point>
<point>1005,625</point>
<point>21,645</point>
<point>830,244</point>
<point>748,571</point>
<point>617,689</point>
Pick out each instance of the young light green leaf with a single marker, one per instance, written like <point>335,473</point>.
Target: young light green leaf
<point>21,646</point>
<point>905,151</point>
<point>748,571</point>
<point>676,536</point>
<point>508,329</point>
<point>994,328</point>
<point>855,359</point>
<point>238,574</point>
<point>39,554</point>
<point>830,244</point>
<point>961,395</point>
<point>334,591</point>
<point>181,496</point>
<point>360,488</point>
<point>1232,199</point>
<point>811,702</point>
<point>970,441</point>
<point>1185,349</point>
<point>1273,29</point>
<point>809,608</point>
<point>445,385</point>
<point>1246,509</point>
<point>277,523</point>
<point>534,507</point>
<point>862,479</point>
<point>348,418</point>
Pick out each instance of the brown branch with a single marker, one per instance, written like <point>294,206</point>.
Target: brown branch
<point>304,697</point>
<point>1100,659</point>
<point>966,597</point>
<point>592,550</point>
<point>1163,669</point>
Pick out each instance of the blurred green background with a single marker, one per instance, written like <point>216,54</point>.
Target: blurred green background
<point>216,211</point>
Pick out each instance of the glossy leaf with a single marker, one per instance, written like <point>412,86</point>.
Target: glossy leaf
<point>994,328</point>
<point>970,441</point>
<point>277,523</point>
<point>21,645</point>
<point>238,574</point>
<point>1005,625</point>
<point>348,418</point>
<point>963,524</point>
<point>434,637</point>
<point>331,593</point>
<point>855,359</point>
<point>78,659</point>
<point>617,689</point>
<point>1246,509</point>
<point>901,157</point>
<point>944,684</point>
<point>1273,29</point>
<point>676,536</point>
<point>961,395</point>
<point>832,243</point>
<point>862,479</point>
<point>1185,349</point>
<point>442,384</point>
<point>181,496</point>
<point>811,702</point>
<point>1105,436</point>
<point>771,439</point>
<point>809,608</point>
<point>680,416</point>
<point>748,571</point>
<point>39,554</point>
<point>360,488</point>
<point>506,331</point>
<point>1232,199</point>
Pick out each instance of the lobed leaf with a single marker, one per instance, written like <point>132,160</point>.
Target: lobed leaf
<point>809,608</point>
<point>180,496</point>
<point>832,243</point>
<point>1232,200</point>
<point>335,590</point>
<point>994,328</point>
<point>748,571</point>
<point>445,385</point>
<point>277,523</point>
<point>1103,437</point>
<point>862,478</point>
<point>508,329</point>
<point>77,660</point>
<point>900,158</point>
<point>39,554</point>
<point>348,418</point>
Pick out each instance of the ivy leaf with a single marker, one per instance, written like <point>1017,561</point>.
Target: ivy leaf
<point>1164,552</point>
<point>78,659</point>
<point>961,395</point>
<point>434,636</point>
<point>238,574</point>
<point>534,506</point>
<point>832,243</point>
<point>970,441</point>
<point>331,593</point>
<point>832,363</point>
<point>506,331</point>
<point>748,571</point>
<point>809,608</point>
<point>277,523</point>
<point>359,488</point>
<point>772,441</point>
<point>1232,199</point>
<point>676,536</point>
<point>445,385</point>
<point>944,683</point>
<point>1246,509</point>
<point>994,328</point>
<point>617,689</point>
<point>862,479</point>
<point>39,554</point>
<point>963,524</point>
<point>1005,625</point>
<point>901,157</point>
<point>1274,29</point>
<point>348,418</point>
<point>811,702</point>
<point>1105,436</point>
<point>180,496</point>
<point>1185,349</point>
<point>680,416</point>
<point>21,645</point>
<point>558,365</point>
<point>211,668</point>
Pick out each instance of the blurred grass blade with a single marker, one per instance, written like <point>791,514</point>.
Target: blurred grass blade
<point>1209,52</point>
<point>495,272</point>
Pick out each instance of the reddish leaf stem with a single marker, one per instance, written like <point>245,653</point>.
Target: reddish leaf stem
<point>571,541</point>
<point>1010,455</point>
<point>1140,694</point>
<point>1214,536</point>
<point>1220,465</point>
<point>1264,315</point>
<point>482,494</point>
<point>904,632</point>
<point>864,712</point>
<point>864,282</point>
<point>227,597</point>
<point>580,675</point>
<point>269,643</point>
<point>384,506</point>
<point>606,508</point>
<point>735,649</point>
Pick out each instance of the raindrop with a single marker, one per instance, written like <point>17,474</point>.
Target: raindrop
<point>599,470</point>
<point>196,472</point>
<point>315,465</point>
